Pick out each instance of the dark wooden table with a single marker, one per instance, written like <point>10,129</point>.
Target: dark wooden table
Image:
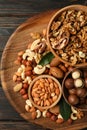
<point>12,14</point>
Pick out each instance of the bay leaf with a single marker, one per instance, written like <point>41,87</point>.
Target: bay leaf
<point>46,59</point>
<point>65,109</point>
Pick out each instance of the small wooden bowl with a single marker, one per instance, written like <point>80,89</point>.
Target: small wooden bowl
<point>55,16</point>
<point>65,91</point>
<point>30,92</point>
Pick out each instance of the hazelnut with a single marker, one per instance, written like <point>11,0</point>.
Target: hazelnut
<point>73,99</point>
<point>76,74</point>
<point>81,92</point>
<point>69,83</point>
<point>69,121</point>
<point>48,114</point>
<point>78,83</point>
<point>53,117</point>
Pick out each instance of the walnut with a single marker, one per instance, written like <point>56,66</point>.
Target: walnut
<point>69,35</point>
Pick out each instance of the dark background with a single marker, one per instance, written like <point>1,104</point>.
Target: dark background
<point>12,14</point>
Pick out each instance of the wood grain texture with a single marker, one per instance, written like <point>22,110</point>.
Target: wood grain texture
<point>19,41</point>
<point>12,14</point>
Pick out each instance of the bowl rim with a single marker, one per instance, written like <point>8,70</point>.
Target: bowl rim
<point>30,87</point>
<point>76,7</point>
<point>67,74</point>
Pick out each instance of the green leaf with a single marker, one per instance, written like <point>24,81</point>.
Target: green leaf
<point>46,59</point>
<point>65,109</point>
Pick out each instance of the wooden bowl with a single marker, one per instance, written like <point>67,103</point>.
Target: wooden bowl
<point>83,72</point>
<point>54,18</point>
<point>32,97</point>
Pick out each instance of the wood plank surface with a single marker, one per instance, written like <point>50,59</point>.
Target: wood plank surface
<point>12,14</point>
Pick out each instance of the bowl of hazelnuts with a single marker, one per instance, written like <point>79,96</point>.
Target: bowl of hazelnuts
<point>74,87</point>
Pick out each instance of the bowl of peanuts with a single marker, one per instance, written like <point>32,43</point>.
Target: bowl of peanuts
<point>45,92</point>
<point>67,35</point>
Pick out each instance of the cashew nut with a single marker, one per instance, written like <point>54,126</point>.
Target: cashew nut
<point>48,65</point>
<point>35,44</point>
<point>23,75</point>
<point>28,78</point>
<point>37,57</point>
<point>24,56</point>
<point>28,54</point>
<point>73,116</point>
<point>28,102</point>
<point>20,70</point>
<point>27,108</point>
<point>38,113</point>
<point>59,116</point>
<point>44,113</point>
<point>23,67</point>
<point>73,109</point>
<point>39,69</point>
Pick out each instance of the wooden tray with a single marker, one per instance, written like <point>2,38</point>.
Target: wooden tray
<point>17,42</point>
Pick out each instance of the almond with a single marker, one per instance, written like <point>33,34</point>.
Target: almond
<point>55,62</point>
<point>56,72</point>
<point>55,110</point>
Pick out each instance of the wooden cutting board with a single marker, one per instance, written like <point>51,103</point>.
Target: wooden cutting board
<point>17,42</point>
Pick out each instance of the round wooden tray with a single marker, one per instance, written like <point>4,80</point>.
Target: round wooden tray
<point>17,42</point>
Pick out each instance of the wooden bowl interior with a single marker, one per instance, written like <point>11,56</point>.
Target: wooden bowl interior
<point>55,16</point>
<point>30,88</point>
<point>83,107</point>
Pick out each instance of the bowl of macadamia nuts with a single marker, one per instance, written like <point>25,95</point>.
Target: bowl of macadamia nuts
<point>67,35</point>
<point>74,87</point>
<point>45,92</point>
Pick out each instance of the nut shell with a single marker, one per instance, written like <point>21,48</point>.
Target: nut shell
<point>69,83</point>
<point>56,72</point>
<point>73,99</point>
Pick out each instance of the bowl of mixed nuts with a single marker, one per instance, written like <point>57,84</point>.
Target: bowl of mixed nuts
<point>74,87</point>
<point>44,92</point>
<point>67,35</point>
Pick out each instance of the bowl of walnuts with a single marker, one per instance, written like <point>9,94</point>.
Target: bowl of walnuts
<point>45,92</point>
<point>74,87</point>
<point>67,35</point>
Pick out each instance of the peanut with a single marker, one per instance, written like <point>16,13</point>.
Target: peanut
<point>33,115</point>
<point>60,120</point>
<point>25,85</point>
<point>17,87</point>
<point>14,77</point>
<point>53,117</point>
<point>25,96</point>
<point>22,91</point>
<point>20,53</point>
<point>28,73</point>
<point>32,109</point>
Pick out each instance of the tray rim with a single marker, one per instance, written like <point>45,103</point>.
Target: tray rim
<point>25,23</point>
